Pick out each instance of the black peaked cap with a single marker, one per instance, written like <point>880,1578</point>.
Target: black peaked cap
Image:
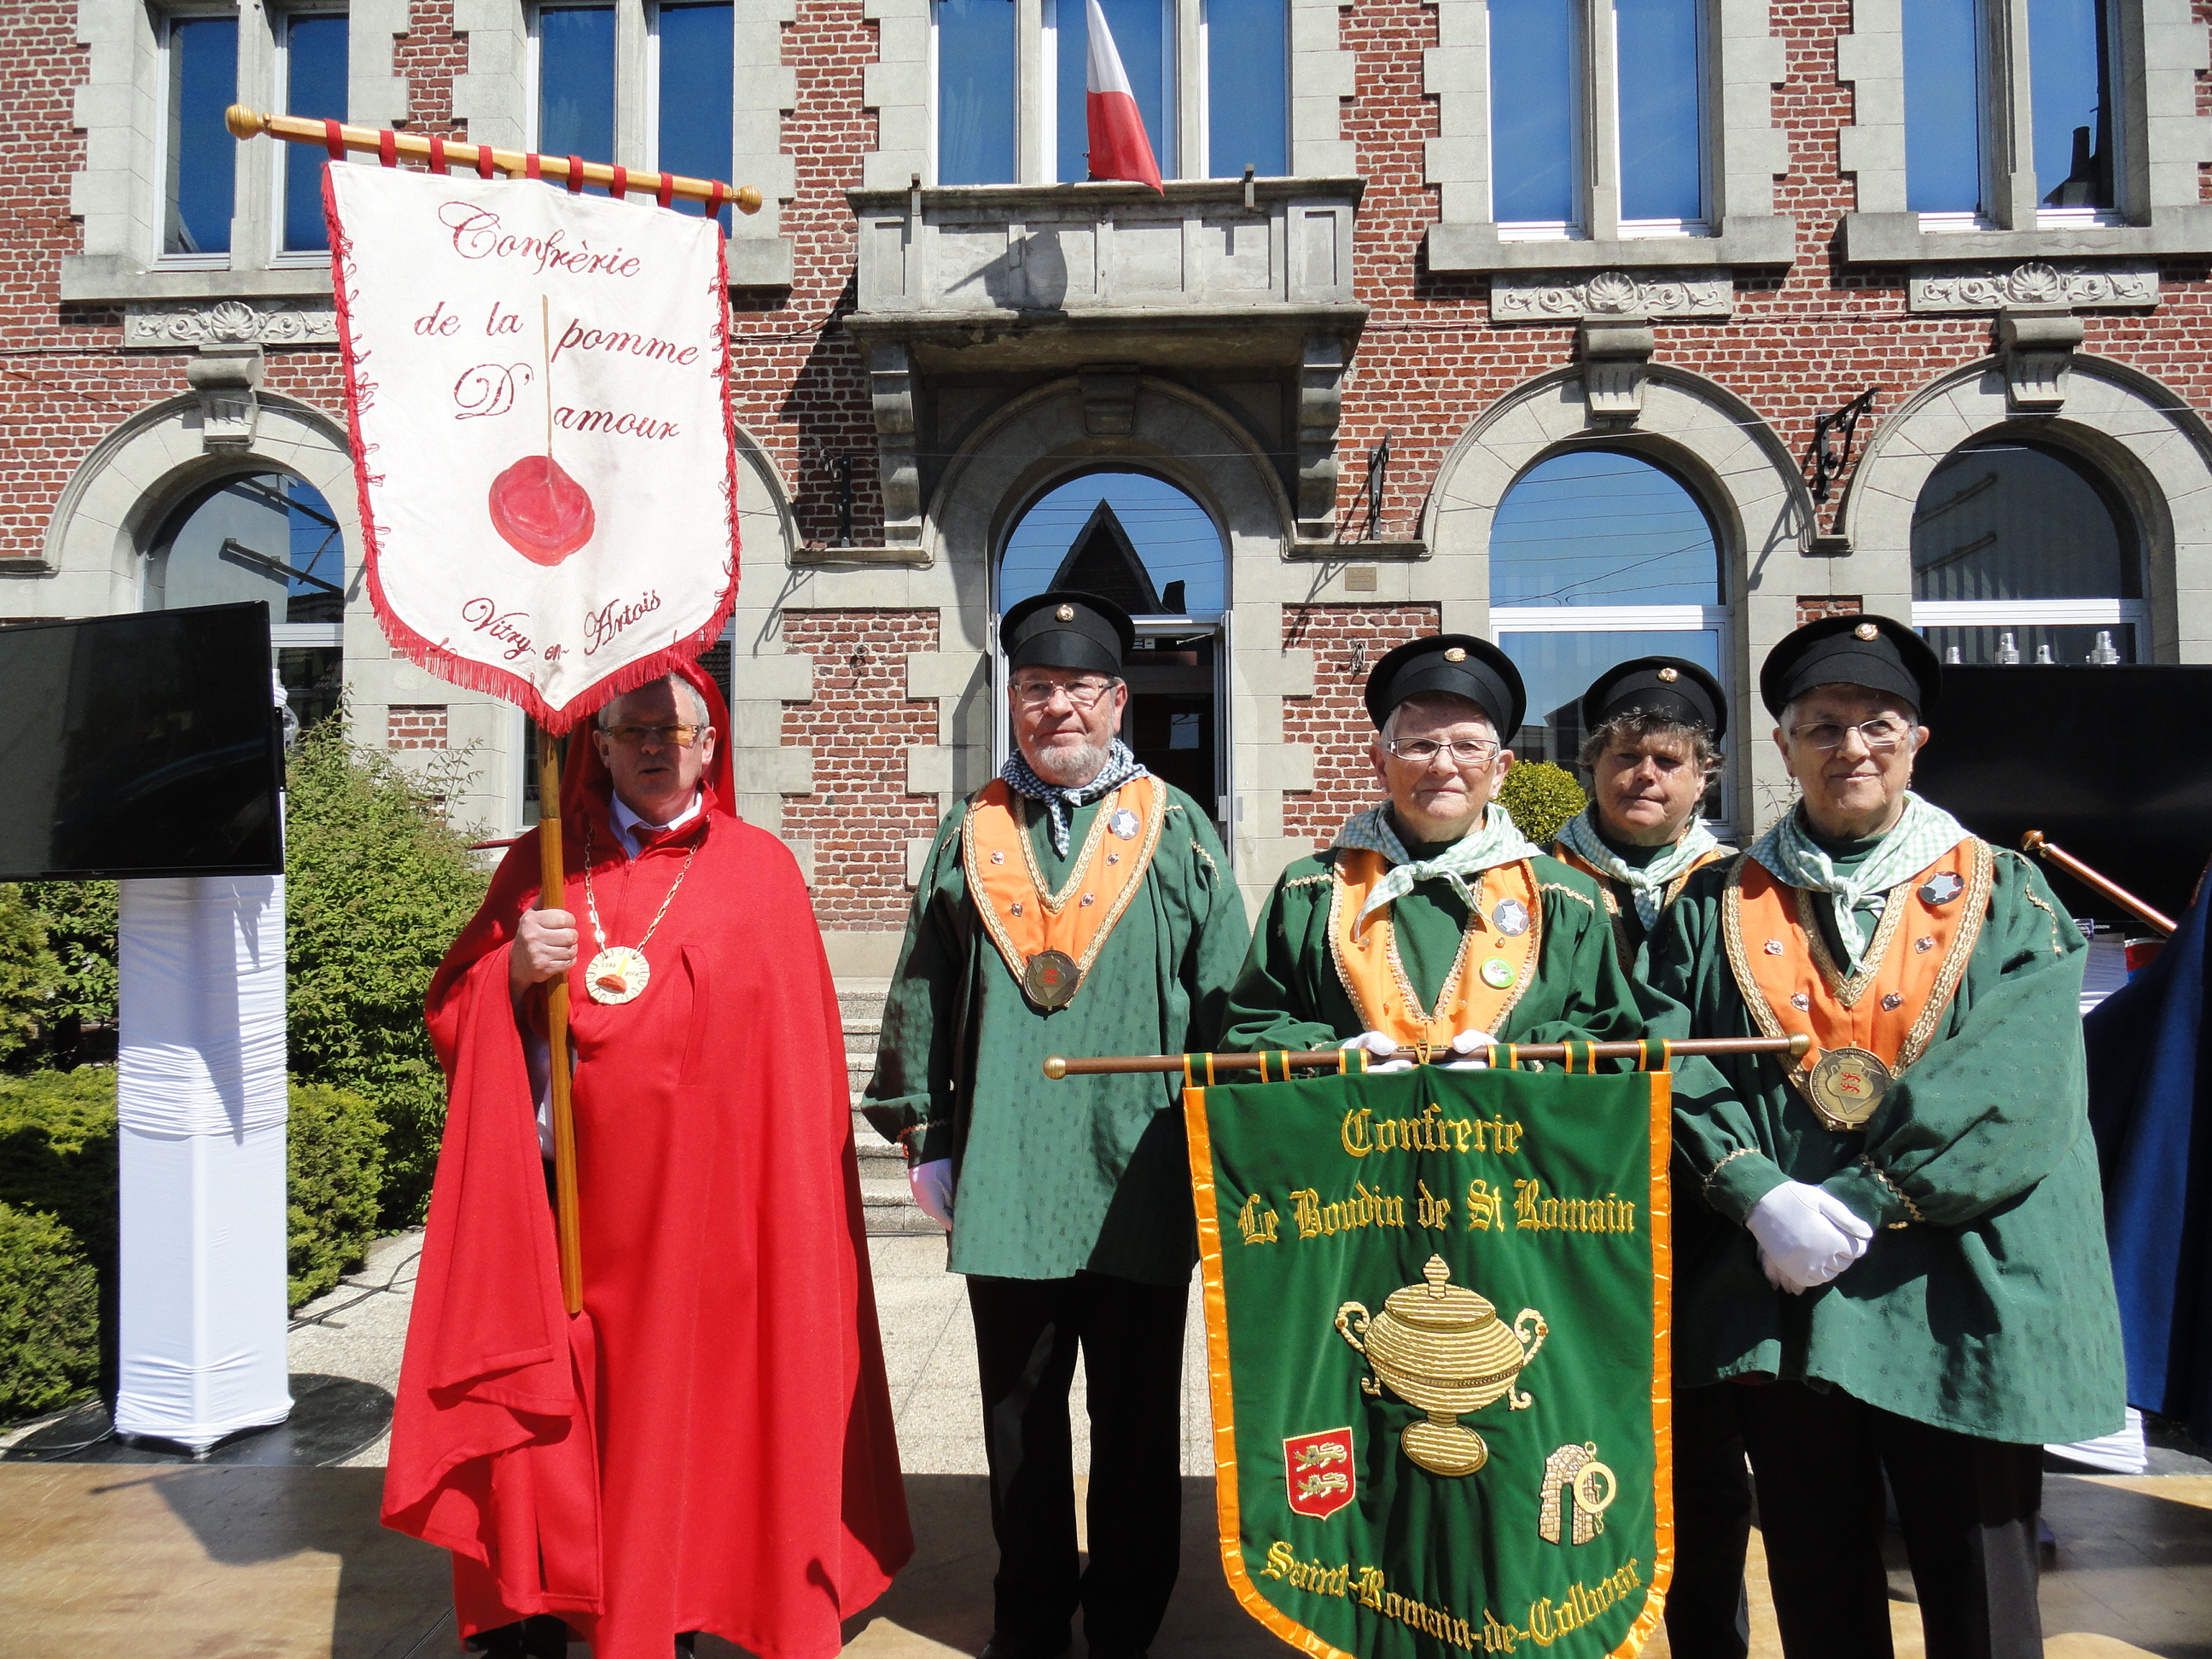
<point>1068,629</point>
<point>1461,664</point>
<point>1878,653</point>
<point>1670,687</point>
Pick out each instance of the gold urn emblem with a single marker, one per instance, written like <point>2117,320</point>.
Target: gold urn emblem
<point>1442,1349</point>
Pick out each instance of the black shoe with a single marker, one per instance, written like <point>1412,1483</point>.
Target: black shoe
<point>687,1644</point>
<point>1000,1648</point>
<point>541,1637</point>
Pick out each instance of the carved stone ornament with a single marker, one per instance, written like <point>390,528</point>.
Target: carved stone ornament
<point>1533,296</point>
<point>232,322</point>
<point>2071,282</point>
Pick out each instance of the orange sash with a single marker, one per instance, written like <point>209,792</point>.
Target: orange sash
<point>1474,995</point>
<point>1008,891</point>
<point>1609,890</point>
<point>1905,979</point>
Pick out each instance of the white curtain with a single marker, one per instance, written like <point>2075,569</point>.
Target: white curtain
<point>200,1101</point>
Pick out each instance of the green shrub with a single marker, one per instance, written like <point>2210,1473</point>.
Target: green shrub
<point>1540,797</point>
<point>29,975</point>
<point>377,886</point>
<point>58,1151</point>
<point>334,1156</point>
<point>80,923</point>
<point>49,1314</point>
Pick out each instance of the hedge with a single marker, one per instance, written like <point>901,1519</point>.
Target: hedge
<point>49,1314</point>
<point>334,1156</point>
<point>1540,797</point>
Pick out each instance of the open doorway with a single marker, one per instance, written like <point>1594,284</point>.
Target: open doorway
<point>1140,542</point>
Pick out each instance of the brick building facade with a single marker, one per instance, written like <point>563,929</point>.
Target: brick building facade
<point>918,361</point>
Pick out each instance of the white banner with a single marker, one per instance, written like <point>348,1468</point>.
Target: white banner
<point>537,387</point>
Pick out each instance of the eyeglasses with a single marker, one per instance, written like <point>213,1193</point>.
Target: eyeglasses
<point>1879,736</point>
<point>1082,694</point>
<point>1423,751</point>
<point>677,737</point>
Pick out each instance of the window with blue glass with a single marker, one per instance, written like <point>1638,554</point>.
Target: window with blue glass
<point>1248,85</point>
<point>2070,68</point>
<point>311,79</point>
<point>1945,105</point>
<point>575,47</point>
<point>695,90</point>
<point>974,91</point>
<point>199,190</point>
<point>1544,65</point>
<point>1597,556</point>
<point>1144,34</point>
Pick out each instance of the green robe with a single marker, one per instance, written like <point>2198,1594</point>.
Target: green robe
<point>1289,995</point>
<point>1992,1314</point>
<point>1088,1172</point>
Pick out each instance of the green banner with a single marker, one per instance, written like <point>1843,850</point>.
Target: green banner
<point>1436,1321</point>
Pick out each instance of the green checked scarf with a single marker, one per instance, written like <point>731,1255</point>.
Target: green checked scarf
<point>1496,841</point>
<point>1648,885</point>
<point>1924,835</point>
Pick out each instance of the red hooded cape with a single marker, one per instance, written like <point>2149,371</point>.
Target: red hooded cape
<point>708,1444</point>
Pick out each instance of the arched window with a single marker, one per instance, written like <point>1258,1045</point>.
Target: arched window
<point>1597,555</point>
<point>264,536</point>
<point>1142,544</point>
<point>2020,554</point>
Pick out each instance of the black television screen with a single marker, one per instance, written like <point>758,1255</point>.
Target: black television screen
<point>2110,762</point>
<point>145,745</point>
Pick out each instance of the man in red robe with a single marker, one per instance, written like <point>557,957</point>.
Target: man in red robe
<point>708,1446</point>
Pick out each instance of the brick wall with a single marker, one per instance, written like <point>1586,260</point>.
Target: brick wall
<point>860,726</point>
<point>414,725</point>
<point>1345,640</point>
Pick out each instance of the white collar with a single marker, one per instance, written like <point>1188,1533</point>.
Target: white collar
<point>628,824</point>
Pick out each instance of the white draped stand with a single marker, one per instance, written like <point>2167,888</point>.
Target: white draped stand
<point>200,1101</point>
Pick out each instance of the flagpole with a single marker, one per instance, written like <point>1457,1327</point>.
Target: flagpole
<point>1059,1065</point>
<point>2044,847</point>
<point>552,896</point>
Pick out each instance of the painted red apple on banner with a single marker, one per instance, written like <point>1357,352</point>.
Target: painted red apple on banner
<point>542,512</point>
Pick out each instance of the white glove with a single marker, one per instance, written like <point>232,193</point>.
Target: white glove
<point>1383,1048</point>
<point>1466,1043</point>
<point>1805,1235</point>
<point>932,1185</point>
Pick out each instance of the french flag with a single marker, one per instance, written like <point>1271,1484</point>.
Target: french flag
<point>1119,148</point>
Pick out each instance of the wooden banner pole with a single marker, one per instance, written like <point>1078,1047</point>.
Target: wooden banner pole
<point>553,896</point>
<point>245,122</point>
<point>1318,1060</point>
<point>2050,851</point>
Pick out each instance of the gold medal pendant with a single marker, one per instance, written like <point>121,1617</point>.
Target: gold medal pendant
<point>618,974</point>
<point>1846,1086</point>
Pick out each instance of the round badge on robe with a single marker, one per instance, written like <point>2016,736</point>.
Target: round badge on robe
<point>1846,1085</point>
<point>1497,973</point>
<point>1511,917</point>
<point>1943,887</point>
<point>1049,980</point>
<point>1124,824</point>
<point>617,975</point>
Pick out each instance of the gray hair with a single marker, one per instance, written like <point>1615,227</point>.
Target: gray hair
<point>1439,702</point>
<point>1641,724</point>
<point>683,688</point>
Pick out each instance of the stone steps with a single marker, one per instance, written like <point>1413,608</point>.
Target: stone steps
<point>885,1198</point>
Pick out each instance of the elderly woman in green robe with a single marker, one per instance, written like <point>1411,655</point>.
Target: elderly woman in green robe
<point>1905,1273</point>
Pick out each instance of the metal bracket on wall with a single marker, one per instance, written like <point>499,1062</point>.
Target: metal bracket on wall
<point>1832,441</point>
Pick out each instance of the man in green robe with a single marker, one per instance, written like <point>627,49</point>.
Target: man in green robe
<point>1431,919</point>
<point>1903,1270</point>
<point>1077,905</point>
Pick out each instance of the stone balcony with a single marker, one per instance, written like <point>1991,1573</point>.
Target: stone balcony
<point>1029,277</point>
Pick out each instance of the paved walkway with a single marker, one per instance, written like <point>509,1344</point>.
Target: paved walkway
<point>271,1551</point>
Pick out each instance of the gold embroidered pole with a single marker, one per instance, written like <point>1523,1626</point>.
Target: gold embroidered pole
<point>1059,1065</point>
<point>2034,841</point>
<point>245,122</point>
<point>551,896</point>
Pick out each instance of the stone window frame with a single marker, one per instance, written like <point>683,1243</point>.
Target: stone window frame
<point>1744,151</point>
<point>2159,136</point>
<point>119,107</point>
<point>496,96</point>
<point>900,87</point>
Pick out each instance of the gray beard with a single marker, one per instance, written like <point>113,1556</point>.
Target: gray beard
<point>1069,768</point>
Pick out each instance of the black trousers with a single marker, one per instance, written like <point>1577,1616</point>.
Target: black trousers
<point>1967,1507</point>
<point>1708,1613</point>
<point>1027,1332</point>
